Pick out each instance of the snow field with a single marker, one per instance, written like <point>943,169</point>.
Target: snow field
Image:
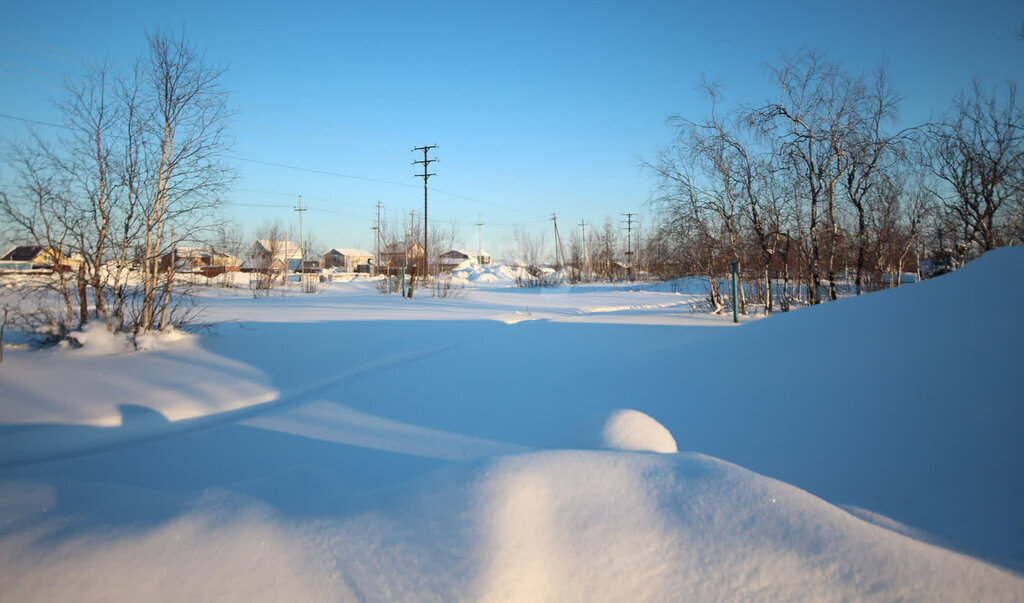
<point>354,446</point>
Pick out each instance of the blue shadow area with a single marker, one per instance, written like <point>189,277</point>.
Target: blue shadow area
<point>464,377</point>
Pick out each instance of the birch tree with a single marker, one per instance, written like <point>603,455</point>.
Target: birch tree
<point>812,119</point>
<point>977,150</point>
<point>138,167</point>
<point>184,134</point>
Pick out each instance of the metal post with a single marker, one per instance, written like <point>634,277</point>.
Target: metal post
<point>735,301</point>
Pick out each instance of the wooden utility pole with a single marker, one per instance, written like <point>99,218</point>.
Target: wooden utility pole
<point>586,258</point>
<point>559,252</point>
<point>629,245</point>
<point>376,242</point>
<point>302,258</point>
<point>479,238</point>
<point>426,176</point>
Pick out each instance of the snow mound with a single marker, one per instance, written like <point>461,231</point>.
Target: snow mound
<point>96,340</point>
<point>633,430</point>
<point>623,429</point>
<point>496,274</point>
<point>586,525</point>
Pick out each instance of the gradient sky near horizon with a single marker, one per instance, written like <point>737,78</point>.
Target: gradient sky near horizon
<point>537,107</point>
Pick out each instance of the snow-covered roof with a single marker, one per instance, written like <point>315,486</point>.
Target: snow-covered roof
<point>282,248</point>
<point>191,251</point>
<point>469,253</point>
<point>349,252</point>
<point>400,247</point>
<point>199,252</point>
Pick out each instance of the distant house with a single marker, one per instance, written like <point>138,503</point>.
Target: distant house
<point>463,257</point>
<point>273,255</point>
<point>395,255</point>
<point>348,260</point>
<point>37,257</point>
<point>196,259</point>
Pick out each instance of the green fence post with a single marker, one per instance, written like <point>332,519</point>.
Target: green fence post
<point>735,302</point>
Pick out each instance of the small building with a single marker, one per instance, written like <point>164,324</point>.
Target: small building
<point>197,259</point>
<point>272,255</point>
<point>396,255</point>
<point>348,260</point>
<point>462,257</point>
<point>38,257</point>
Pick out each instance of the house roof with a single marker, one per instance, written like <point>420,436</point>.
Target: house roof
<point>25,253</point>
<point>467,253</point>
<point>400,247</point>
<point>283,248</point>
<point>348,252</point>
<point>191,251</point>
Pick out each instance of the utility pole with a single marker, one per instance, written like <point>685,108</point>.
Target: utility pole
<point>411,237</point>
<point>426,176</point>
<point>376,241</point>
<point>586,258</point>
<point>629,245</point>
<point>302,259</point>
<point>479,238</point>
<point>558,244</point>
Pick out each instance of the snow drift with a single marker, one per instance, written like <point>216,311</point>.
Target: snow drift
<point>906,402</point>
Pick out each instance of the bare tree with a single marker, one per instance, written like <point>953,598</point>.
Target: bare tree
<point>529,249</point>
<point>442,240</point>
<point>138,169</point>
<point>708,167</point>
<point>39,208</point>
<point>977,150</point>
<point>265,257</point>
<point>812,119</point>
<point>184,136</point>
<point>873,155</point>
<point>91,117</point>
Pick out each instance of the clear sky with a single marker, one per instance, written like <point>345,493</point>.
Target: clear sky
<point>538,107</point>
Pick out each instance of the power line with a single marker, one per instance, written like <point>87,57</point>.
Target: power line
<point>316,171</point>
<point>319,171</point>
<point>26,44</point>
<point>23,43</point>
<point>36,47</point>
<point>32,121</point>
<point>318,210</point>
<point>31,80</point>
<point>312,119</point>
<point>32,70</point>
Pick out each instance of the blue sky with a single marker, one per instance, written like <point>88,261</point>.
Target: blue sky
<point>538,107</point>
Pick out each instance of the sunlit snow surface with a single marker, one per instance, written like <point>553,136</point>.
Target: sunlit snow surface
<point>519,444</point>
